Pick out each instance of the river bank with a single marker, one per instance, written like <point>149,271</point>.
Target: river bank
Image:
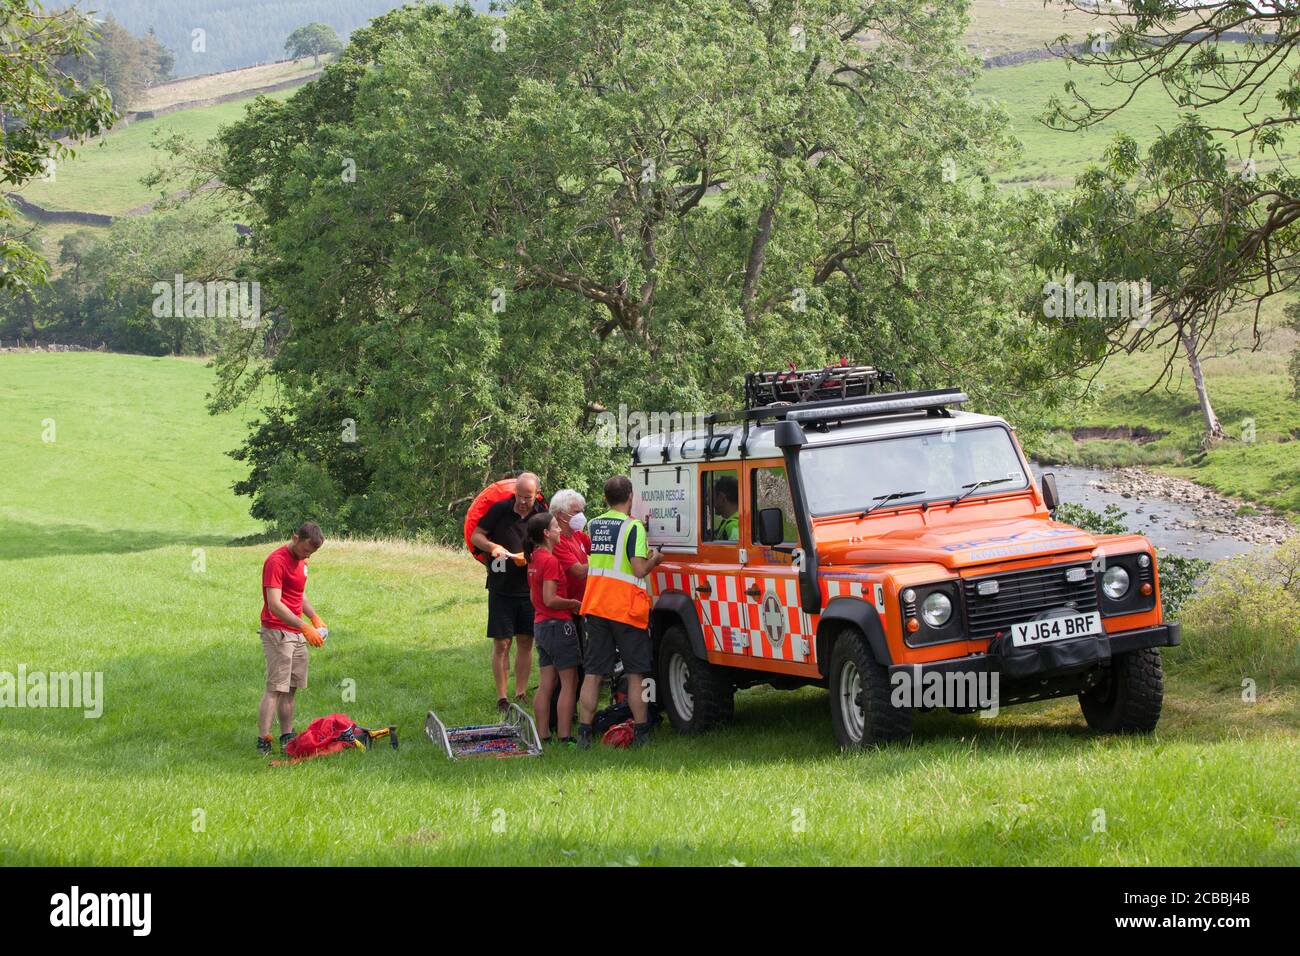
<point>1178,515</point>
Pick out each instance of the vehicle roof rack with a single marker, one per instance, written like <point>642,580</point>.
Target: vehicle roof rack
<point>796,386</point>
<point>837,393</point>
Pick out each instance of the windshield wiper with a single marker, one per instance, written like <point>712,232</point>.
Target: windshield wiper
<point>881,500</point>
<point>974,486</point>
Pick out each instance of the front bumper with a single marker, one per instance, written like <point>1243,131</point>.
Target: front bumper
<point>1049,660</point>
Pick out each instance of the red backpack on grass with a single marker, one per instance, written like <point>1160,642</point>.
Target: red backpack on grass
<point>323,736</point>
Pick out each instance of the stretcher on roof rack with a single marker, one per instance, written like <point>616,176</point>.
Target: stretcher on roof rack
<point>516,736</point>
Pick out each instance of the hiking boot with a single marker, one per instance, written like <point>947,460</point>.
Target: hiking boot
<point>640,735</point>
<point>285,738</point>
<point>584,736</point>
<point>264,746</point>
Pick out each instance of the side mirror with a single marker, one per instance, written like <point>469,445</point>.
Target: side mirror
<point>1050,496</point>
<point>771,527</point>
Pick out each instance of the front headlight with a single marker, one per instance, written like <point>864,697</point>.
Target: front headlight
<point>936,609</point>
<point>1115,582</point>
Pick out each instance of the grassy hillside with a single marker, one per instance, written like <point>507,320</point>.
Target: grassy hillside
<point>1010,26</point>
<point>99,573</point>
<point>1247,388</point>
<point>1053,158</point>
<point>105,175</point>
<point>223,84</point>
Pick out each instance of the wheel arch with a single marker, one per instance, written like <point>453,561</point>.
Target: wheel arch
<point>853,612</point>
<point>676,608</point>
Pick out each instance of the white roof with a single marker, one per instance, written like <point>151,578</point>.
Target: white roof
<point>688,446</point>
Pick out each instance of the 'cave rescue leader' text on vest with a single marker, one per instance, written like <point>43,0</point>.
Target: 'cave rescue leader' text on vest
<point>613,591</point>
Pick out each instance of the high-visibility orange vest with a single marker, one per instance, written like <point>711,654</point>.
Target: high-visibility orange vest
<point>613,591</point>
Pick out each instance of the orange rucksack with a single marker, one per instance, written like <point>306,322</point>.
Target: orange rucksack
<point>497,491</point>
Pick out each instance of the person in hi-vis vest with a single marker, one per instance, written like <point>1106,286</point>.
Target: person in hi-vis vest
<point>616,607</point>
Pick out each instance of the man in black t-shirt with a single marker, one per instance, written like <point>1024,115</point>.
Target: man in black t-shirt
<point>500,535</point>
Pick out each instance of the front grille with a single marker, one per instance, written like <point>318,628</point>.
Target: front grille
<point>1022,595</point>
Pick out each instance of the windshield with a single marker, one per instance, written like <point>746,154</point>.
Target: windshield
<point>941,465</point>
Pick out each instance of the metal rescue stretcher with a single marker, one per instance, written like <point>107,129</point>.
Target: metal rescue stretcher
<point>516,736</point>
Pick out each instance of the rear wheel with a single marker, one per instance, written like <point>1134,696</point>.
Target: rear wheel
<point>694,694</point>
<point>1128,700</point>
<point>861,712</point>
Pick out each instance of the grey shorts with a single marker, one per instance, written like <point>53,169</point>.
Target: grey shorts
<point>604,636</point>
<point>557,644</point>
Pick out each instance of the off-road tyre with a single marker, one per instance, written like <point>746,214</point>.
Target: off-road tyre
<point>695,694</point>
<point>1128,699</point>
<point>862,714</point>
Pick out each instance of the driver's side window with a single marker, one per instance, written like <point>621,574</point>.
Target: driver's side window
<point>720,503</point>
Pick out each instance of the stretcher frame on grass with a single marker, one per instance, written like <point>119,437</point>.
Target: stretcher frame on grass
<point>518,725</point>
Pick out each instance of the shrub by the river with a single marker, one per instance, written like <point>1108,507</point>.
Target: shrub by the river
<point>1245,619</point>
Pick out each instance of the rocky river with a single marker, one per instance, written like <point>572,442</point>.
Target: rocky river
<point>1179,516</point>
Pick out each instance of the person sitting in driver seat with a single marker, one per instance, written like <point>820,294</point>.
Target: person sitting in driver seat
<point>726,504</point>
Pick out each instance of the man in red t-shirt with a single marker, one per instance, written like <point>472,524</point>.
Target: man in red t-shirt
<point>286,632</point>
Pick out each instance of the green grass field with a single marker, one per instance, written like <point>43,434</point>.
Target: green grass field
<point>104,176</point>
<point>99,572</point>
<point>1052,158</point>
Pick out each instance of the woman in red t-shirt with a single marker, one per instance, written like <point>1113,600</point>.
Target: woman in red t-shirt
<point>558,653</point>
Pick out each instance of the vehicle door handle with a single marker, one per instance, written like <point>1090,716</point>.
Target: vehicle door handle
<point>754,591</point>
<point>704,589</point>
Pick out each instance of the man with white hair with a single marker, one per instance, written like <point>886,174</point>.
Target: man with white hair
<point>500,534</point>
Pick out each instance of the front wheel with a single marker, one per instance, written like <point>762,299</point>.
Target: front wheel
<point>1128,700</point>
<point>861,711</point>
<point>696,695</point>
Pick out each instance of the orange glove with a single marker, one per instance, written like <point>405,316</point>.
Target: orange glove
<point>312,635</point>
<point>317,622</point>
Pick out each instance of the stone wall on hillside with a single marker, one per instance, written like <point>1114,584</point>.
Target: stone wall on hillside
<point>1043,53</point>
<point>40,214</point>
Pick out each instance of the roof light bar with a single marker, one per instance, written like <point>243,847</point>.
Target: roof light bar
<point>909,402</point>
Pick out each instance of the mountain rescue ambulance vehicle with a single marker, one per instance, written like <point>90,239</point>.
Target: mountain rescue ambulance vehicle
<point>891,548</point>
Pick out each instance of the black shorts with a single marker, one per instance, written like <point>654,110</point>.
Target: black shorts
<point>509,615</point>
<point>604,635</point>
<point>557,644</point>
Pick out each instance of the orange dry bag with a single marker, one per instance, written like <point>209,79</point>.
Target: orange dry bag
<point>497,491</point>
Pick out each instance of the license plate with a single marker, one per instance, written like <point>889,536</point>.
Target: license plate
<point>1055,629</point>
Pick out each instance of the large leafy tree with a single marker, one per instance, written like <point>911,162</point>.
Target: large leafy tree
<point>1209,212</point>
<point>314,40</point>
<point>485,231</point>
<point>41,107</point>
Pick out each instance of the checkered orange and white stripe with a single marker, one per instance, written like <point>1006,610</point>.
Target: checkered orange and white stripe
<point>734,622</point>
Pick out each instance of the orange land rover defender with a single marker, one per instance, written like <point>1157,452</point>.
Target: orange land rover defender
<point>892,549</point>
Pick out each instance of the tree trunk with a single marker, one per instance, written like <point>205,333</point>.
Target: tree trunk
<point>1212,427</point>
